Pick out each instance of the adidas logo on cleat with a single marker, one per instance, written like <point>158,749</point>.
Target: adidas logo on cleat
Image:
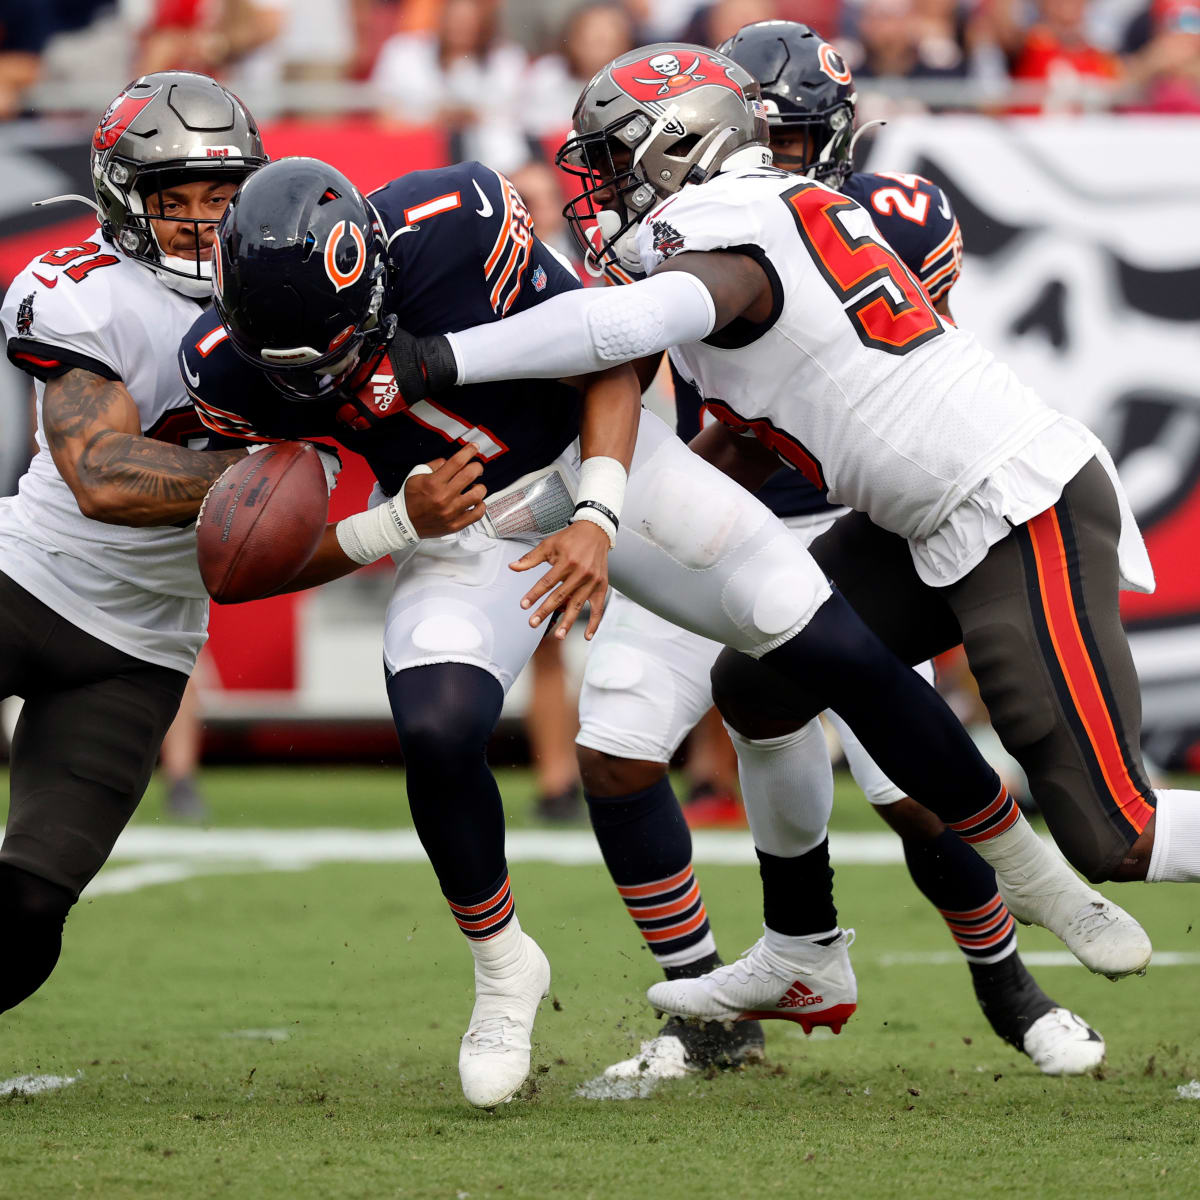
<point>799,996</point>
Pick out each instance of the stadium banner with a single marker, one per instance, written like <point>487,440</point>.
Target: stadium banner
<point>1081,273</point>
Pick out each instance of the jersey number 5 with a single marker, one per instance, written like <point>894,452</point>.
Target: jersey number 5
<point>887,307</point>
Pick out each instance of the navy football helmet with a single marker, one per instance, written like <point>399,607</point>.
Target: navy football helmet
<point>299,273</point>
<point>806,85</point>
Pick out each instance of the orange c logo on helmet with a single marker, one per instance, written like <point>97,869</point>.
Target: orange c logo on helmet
<point>353,273</point>
<point>833,64</point>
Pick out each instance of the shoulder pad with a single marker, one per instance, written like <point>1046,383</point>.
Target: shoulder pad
<point>212,370</point>
<point>711,216</point>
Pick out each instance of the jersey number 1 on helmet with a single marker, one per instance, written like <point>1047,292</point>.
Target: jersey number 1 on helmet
<point>886,305</point>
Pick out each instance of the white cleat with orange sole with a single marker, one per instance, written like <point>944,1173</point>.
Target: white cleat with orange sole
<point>812,987</point>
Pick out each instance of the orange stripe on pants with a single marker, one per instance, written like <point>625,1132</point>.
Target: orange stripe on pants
<point>1075,663</point>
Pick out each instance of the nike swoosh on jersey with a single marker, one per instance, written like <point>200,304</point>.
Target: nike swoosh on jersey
<point>486,210</point>
<point>46,282</point>
<point>193,380</point>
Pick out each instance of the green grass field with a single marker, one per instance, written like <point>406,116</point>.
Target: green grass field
<point>293,1032</point>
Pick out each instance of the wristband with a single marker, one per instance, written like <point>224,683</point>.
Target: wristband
<point>597,514</point>
<point>600,494</point>
<point>382,530</point>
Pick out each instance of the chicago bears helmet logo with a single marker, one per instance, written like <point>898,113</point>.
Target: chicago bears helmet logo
<point>118,117</point>
<point>345,260</point>
<point>665,75</point>
<point>833,64</point>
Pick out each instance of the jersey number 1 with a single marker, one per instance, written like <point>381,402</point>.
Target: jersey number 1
<point>887,307</point>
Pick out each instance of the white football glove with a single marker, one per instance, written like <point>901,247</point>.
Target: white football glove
<point>331,463</point>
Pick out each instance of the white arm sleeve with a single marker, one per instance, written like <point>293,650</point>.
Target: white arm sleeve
<point>588,330</point>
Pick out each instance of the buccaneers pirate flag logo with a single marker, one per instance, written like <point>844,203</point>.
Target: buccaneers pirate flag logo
<point>666,75</point>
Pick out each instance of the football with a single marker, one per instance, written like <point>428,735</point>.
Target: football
<point>261,522</point>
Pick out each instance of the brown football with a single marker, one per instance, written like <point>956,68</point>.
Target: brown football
<point>261,522</point>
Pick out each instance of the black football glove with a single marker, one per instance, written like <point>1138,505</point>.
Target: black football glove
<point>423,366</point>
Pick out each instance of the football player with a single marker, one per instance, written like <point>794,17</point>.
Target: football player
<point>310,281</point>
<point>647,683</point>
<point>811,342</point>
<point>104,611</point>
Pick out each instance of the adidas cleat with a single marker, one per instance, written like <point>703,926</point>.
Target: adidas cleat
<point>815,987</point>
<point>1060,1043</point>
<point>493,1060</point>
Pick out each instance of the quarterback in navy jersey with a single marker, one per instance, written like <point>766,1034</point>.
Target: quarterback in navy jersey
<point>624,744</point>
<point>309,280</point>
<point>460,251</point>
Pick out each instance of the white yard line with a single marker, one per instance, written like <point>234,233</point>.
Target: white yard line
<point>30,1085</point>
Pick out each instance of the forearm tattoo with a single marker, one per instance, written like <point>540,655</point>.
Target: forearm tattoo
<point>141,468</point>
<point>146,468</point>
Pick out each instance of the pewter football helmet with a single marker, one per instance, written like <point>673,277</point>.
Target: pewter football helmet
<point>650,122</point>
<point>164,129</point>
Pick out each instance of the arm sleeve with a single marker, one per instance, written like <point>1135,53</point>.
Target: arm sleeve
<point>587,330</point>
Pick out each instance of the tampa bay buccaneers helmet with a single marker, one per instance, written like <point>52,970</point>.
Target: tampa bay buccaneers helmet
<point>650,122</point>
<point>299,271</point>
<point>164,129</point>
<point>805,85</point>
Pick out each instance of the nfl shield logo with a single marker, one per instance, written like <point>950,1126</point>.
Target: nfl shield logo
<point>539,279</point>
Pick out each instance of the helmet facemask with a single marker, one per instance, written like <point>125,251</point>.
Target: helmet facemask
<point>830,137</point>
<point>616,193</point>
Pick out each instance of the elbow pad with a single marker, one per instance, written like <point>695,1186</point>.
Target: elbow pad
<point>588,330</point>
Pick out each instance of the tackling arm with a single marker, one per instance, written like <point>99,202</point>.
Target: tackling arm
<point>117,475</point>
<point>584,331</point>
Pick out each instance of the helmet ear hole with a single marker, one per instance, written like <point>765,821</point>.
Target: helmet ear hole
<point>683,147</point>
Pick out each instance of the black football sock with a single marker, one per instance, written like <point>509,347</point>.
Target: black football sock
<point>798,893</point>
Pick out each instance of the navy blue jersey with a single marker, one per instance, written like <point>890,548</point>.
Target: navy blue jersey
<point>461,253</point>
<point>916,220</point>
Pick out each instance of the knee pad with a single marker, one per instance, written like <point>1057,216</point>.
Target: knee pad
<point>444,713</point>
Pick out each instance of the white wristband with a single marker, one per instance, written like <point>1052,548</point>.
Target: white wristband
<point>601,494</point>
<point>382,530</point>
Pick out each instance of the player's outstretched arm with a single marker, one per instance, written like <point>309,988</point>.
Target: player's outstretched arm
<point>94,434</point>
<point>578,555</point>
<point>580,332</point>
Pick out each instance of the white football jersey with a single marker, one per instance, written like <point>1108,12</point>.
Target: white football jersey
<point>858,382</point>
<point>138,589</point>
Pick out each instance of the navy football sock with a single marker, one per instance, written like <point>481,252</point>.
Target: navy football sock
<point>647,848</point>
<point>837,662</point>
<point>962,887</point>
<point>444,716</point>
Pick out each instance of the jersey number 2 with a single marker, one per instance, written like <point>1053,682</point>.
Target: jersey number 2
<point>887,307</point>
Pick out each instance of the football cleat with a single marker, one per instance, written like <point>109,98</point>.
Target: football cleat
<point>709,807</point>
<point>682,1049</point>
<point>1041,889</point>
<point>1060,1043</point>
<point>813,987</point>
<point>493,1060</point>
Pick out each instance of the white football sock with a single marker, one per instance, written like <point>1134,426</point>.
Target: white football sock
<point>1175,857</point>
<point>501,951</point>
<point>787,787</point>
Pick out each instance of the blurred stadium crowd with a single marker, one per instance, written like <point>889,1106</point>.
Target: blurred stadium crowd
<point>501,74</point>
